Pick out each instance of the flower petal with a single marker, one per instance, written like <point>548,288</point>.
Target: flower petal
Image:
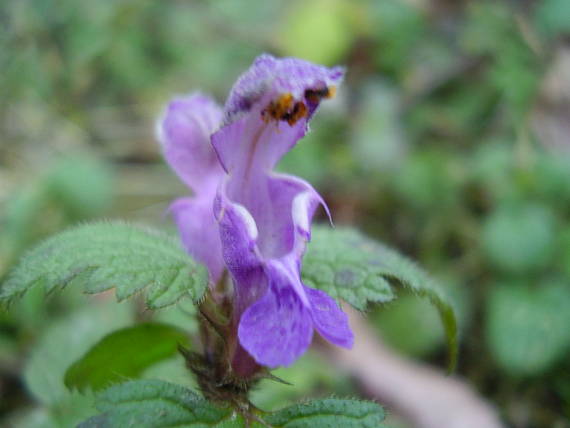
<point>184,132</point>
<point>277,329</point>
<point>238,234</point>
<point>268,110</point>
<point>303,208</point>
<point>272,224</point>
<point>283,207</point>
<point>199,232</point>
<point>270,75</point>
<point>329,319</point>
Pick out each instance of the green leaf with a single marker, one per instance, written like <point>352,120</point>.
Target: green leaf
<point>101,256</point>
<point>335,263</point>
<point>553,177</point>
<point>64,341</point>
<point>154,403</point>
<point>330,412</point>
<point>393,322</point>
<point>519,238</point>
<point>552,17</point>
<point>124,354</point>
<point>527,327</point>
<point>349,266</point>
<point>492,168</point>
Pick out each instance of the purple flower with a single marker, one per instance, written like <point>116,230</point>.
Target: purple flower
<point>184,132</point>
<point>246,217</point>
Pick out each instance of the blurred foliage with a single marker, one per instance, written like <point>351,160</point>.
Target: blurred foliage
<point>47,363</point>
<point>74,188</point>
<point>431,145</point>
<point>519,239</point>
<point>553,17</point>
<point>124,353</point>
<point>527,325</point>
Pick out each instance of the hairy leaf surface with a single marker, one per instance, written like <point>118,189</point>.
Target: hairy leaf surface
<point>328,413</point>
<point>101,256</point>
<point>124,354</point>
<point>352,267</point>
<point>153,404</point>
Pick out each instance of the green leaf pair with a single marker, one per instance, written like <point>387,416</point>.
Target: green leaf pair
<point>153,404</point>
<point>101,256</point>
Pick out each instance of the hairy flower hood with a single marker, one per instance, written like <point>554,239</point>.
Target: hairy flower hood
<point>244,216</point>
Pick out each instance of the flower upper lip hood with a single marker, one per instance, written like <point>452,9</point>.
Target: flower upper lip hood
<point>247,218</point>
<point>269,77</point>
<point>269,92</point>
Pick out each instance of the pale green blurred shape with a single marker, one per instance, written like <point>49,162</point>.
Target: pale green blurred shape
<point>64,342</point>
<point>318,31</point>
<point>379,142</point>
<point>520,238</point>
<point>527,325</point>
<point>395,320</point>
<point>553,17</point>
<point>309,378</point>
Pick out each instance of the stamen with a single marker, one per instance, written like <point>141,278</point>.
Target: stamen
<point>285,108</point>
<point>314,96</point>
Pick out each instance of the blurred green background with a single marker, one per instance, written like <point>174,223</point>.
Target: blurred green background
<point>449,140</point>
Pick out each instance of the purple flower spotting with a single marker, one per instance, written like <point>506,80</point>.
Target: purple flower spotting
<point>247,218</point>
